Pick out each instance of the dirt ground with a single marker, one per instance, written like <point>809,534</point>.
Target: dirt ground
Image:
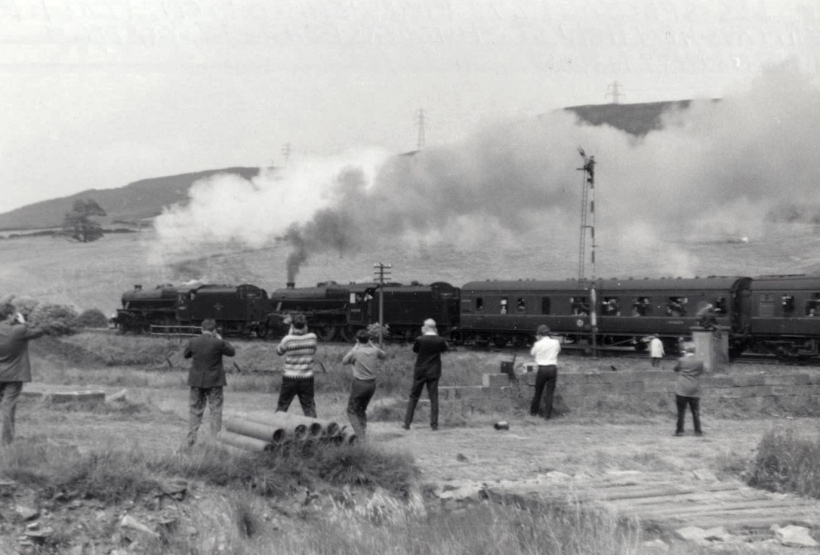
<point>475,452</point>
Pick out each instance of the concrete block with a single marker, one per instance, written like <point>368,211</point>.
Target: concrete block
<point>495,380</point>
<point>471,391</point>
<point>85,397</point>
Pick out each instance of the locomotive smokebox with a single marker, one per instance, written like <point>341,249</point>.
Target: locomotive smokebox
<point>290,285</point>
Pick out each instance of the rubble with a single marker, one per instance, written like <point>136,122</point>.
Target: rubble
<point>794,536</point>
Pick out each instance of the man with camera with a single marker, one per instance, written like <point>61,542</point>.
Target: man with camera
<point>15,367</point>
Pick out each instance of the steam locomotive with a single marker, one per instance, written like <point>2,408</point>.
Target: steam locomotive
<point>768,314</point>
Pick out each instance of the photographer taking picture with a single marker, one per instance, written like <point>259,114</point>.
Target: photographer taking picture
<point>15,368</point>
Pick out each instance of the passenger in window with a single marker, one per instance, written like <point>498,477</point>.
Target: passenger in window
<point>521,306</point>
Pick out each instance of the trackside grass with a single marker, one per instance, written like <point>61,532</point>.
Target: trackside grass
<point>787,461</point>
<point>116,474</point>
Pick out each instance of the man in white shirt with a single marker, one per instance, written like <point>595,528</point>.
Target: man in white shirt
<point>656,350</point>
<point>545,350</point>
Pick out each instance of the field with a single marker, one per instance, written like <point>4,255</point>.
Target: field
<point>95,275</point>
<point>142,438</point>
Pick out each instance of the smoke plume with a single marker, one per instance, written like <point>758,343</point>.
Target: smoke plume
<point>716,168</point>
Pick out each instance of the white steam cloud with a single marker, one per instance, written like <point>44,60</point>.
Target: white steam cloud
<point>715,168</point>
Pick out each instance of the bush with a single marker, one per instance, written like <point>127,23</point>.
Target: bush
<point>24,305</point>
<point>91,318</point>
<point>54,319</point>
<point>787,462</point>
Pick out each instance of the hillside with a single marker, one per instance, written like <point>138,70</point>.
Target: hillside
<point>141,199</point>
<point>147,198</point>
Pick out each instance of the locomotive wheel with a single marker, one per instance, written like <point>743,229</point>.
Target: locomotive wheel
<point>326,333</point>
<point>262,331</point>
<point>348,333</point>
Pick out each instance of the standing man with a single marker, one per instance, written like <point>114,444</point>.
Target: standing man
<point>298,347</point>
<point>687,389</point>
<point>426,372</point>
<point>206,378</point>
<point>15,368</point>
<point>545,350</point>
<point>364,356</point>
<point>656,350</point>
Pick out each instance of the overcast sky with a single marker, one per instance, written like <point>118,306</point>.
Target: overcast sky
<point>98,93</point>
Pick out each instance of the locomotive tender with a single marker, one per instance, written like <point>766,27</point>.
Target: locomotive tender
<point>768,314</point>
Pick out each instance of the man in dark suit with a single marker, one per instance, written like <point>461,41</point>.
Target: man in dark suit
<point>429,347</point>
<point>206,377</point>
<point>687,388</point>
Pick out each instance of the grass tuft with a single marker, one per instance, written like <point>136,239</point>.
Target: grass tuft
<point>786,461</point>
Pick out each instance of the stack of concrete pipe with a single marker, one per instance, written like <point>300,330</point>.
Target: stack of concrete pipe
<point>269,431</point>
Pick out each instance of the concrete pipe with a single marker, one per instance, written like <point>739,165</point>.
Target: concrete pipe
<point>295,431</point>
<point>243,442</point>
<point>348,436</point>
<point>332,429</point>
<point>264,432</point>
<point>316,428</point>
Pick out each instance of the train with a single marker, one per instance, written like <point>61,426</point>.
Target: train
<point>776,314</point>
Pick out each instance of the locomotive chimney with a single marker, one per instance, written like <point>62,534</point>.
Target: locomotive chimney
<point>137,287</point>
<point>291,285</point>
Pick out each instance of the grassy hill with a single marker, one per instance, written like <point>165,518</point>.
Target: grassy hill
<point>141,199</point>
<point>147,198</point>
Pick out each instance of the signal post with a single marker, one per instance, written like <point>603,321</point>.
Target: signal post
<point>382,271</point>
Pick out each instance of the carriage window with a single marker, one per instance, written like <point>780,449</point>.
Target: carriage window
<point>787,302</point>
<point>720,306</point>
<point>580,306</point>
<point>676,306</point>
<point>504,305</point>
<point>813,308</point>
<point>545,305</point>
<point>611,306</point>
<point>479,304</point>
<point>641,306</point>
<point>521,305</point>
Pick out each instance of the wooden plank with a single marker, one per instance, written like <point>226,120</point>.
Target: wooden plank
<point>727,510</point>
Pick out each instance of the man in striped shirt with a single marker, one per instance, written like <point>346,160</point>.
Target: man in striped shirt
<point>298,347</point>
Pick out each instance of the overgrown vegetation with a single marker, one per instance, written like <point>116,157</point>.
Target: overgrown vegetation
<point>786,461</point>
<point>115,474</point>
<point>91,318</point>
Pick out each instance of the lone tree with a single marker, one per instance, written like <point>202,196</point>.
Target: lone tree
<point>78,223</point>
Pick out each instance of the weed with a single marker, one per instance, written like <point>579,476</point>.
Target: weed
<point>245,515</point>
<point>786,461</point>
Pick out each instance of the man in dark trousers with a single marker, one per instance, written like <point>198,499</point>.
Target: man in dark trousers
<point>15,368</point>
<point>206,377</point>
<point>429,347</point>
<point>687,389</point>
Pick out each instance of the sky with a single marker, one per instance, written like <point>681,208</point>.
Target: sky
<point>99,93</point>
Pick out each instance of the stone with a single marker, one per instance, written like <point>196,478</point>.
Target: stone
<point>692,534</point>
<point>77,550</point>
<point>26,513</point>
<point>555,475</point>
<point>795,536</point>
<point>174,487</point>
<point>717,534</point>
<point>128,522</point>
<point>39,536</point>
<point>704,474</point>
<point>656,545</point>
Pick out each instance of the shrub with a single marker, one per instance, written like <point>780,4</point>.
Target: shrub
<point>91,318</point>
<point>54,319</point>
<point>787,462</point>
<point>24,305</point>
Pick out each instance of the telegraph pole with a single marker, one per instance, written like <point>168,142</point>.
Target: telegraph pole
<point>614,90</point>
<point>286,150</point>
<point>382,272</point>
<point>420,121</point>
<point>588,222</point>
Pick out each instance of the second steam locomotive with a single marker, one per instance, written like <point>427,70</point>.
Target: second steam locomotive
<point>768,314</point>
